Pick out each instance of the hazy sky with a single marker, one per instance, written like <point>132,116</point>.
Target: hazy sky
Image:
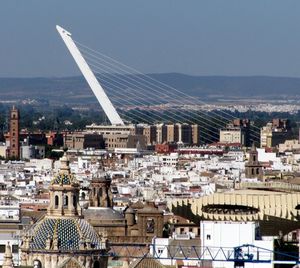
<point>225,37</point>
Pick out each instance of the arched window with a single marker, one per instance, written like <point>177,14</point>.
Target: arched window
<point>56,202</point>
<point>83,195</point>
<point>252,171</point>
<point>37,264</point>
<point>96,264</point>
<point>66,201</point>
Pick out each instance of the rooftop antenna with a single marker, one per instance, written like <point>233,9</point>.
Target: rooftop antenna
<point>94,84</point>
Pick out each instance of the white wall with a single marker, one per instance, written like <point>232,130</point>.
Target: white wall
<point>229,235</point>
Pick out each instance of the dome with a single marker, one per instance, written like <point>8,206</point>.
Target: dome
<point>71,234</point>
<point>64,179</point>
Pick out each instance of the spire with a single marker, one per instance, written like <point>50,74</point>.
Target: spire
<point>253,147</point>
<point>8,257</point>
<point>64,165</point>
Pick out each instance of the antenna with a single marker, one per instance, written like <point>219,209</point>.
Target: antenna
<point>94,84</point>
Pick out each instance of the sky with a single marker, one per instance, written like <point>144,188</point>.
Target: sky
<point>196,37</point>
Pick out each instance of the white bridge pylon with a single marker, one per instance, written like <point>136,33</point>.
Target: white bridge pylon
<point>94,84</point>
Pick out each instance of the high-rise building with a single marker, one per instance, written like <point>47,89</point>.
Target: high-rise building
<point>185,133</point>
<point>275,132</point>
<point>237,131</point>
<point>161,133</point>
<point>196,134</point>
<point>172,133</point>
<point>14,139</point>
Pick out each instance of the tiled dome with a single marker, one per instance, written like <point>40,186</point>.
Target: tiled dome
<point>70,233</point>
<point>63,179</point>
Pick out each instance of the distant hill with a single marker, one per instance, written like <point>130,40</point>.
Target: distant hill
<point>74,90</point>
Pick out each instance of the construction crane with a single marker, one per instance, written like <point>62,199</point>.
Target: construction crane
<point>238,255</point>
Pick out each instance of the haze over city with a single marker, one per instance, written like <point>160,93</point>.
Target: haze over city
<point>199,37</point>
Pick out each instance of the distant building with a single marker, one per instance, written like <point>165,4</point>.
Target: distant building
<point>238,131</point>
<point>32,151</point>
<point>289,146</point>
<point>274,133</point>
<point>14,139</point>
<point>120,140</point>
<point>35,138</point>
<point>150,133</point>
<point>172,133</point>
<point>185,133</point>
<point>161,133</point>
<point>82,140</point>
<point>55,139</point>
<point>165,148</point>
<point>196,134</point>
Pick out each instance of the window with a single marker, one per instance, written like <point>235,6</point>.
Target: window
<point>37,264</point>
<point>2,248</point>
<point>96,264</point>
<point>56,201</point>
<point>208,237</point>
<point>15,249</point>
<point>150,226</point>
<point>66,201</point>
<point>74,200</point>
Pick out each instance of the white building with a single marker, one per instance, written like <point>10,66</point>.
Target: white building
<point>230,235</point>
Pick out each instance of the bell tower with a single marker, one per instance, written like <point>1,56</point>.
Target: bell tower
<point>14,140</point>
<point>100,195</point>
<point>253,168</point>
<point>64,192</point>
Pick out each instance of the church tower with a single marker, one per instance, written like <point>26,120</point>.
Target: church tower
<point>253,168</point>
<point>62,235</point>
<point>14,140</point>
<point>100,195</point>
<point>64,192</point>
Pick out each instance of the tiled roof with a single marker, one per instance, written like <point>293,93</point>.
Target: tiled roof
<point>70,233</point>
<point>63,179</point>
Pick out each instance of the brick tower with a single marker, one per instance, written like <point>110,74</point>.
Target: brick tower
<point>14,140</point>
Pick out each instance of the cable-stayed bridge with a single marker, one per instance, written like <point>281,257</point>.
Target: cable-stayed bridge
<point>140,98</point>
